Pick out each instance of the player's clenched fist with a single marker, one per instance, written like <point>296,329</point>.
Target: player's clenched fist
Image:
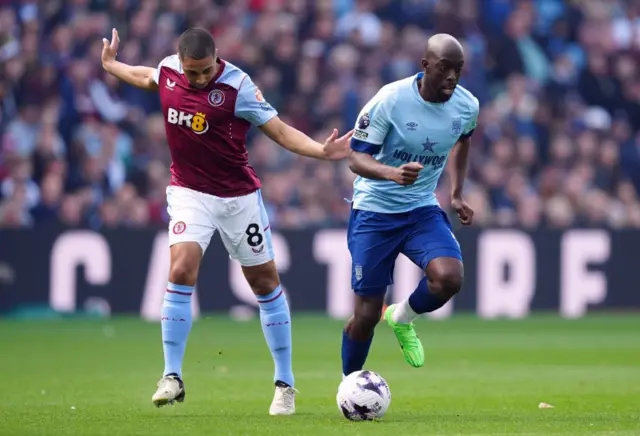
<point>463,210</point>
<point>407,174</point>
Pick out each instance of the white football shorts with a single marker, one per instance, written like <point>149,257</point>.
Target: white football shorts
<point>242,222</point>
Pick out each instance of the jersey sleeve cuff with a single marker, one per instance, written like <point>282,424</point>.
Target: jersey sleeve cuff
<point>365,147</point>
<point>265,120</point>
<point>467,135</point>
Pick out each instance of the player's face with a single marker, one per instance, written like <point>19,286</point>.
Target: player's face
<point>444,75</point>
<point>199,72</point>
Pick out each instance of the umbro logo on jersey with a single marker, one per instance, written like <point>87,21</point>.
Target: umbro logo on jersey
<point>170,85</point>
<point>411,125</point>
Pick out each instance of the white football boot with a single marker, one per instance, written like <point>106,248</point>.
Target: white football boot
<point>170,389</point>
<point>284,400</point>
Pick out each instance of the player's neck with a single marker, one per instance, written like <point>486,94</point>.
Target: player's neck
<point>216,69</point>
<point>423,89</point>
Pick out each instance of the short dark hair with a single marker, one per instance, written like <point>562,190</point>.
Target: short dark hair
<point>196,44</point>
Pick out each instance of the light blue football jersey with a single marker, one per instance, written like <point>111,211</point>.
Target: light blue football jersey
<point>398,126</point>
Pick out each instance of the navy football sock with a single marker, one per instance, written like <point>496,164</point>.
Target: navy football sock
<point>423,301</point>
<point>354,353</point>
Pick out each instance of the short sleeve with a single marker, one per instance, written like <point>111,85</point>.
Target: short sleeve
<point>373,123</point>
<point>473,121</point>
<point>251,105</point>
<point>156,73</point>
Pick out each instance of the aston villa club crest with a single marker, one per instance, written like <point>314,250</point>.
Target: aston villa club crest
<point>456,126</point>
<point>216,98</point>
<point>179,228</point>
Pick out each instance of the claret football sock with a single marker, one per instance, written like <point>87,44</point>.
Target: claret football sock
<point>276,326</point>
<point>176,324</point>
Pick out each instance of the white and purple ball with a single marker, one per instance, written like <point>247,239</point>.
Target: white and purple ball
<point>363,396</point>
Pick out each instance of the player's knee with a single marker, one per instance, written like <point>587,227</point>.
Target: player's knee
<point>446,276</point>
<point>185,262</point>
<point>446,283</point>
<point>263,285</point>
<point>367,313</point>
<point>262,279</point>
<point>182,273</point>
<point>368,319</point>
<point>362,324</point>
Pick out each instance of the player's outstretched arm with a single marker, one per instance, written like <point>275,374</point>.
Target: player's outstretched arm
<point>334,148</point>
<point>138,76</point>
<point>364,165</point>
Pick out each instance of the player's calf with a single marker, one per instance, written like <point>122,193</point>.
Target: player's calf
<point>358,333</point>
<point>176,319</point>
<point>443,280</point>
<point>275,318</point>
<point>366,316</point>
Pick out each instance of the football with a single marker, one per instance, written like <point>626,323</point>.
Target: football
<point>363,396</point>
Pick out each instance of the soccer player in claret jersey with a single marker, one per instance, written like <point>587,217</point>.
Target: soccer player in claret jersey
<point>401,144</point>
<point>208,106</point>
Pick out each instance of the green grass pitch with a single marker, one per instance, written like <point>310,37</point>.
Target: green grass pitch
<point>96,377</point>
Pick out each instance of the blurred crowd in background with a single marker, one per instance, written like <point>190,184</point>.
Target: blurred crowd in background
<point>557,144</point>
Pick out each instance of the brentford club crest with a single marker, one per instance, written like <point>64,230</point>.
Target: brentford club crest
<point>216,98</point>
<point>179,227</point>
<point>456,126</point>
<point>358,271</point>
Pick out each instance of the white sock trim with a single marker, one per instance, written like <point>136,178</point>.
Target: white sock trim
<point>403,313</point>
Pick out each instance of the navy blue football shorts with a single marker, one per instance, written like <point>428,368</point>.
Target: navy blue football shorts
<point>376,239</point>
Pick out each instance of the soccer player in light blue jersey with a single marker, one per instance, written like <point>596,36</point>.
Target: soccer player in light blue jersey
<point>403,139</point>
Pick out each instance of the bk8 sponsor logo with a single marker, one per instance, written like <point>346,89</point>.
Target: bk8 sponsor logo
<point>197,123</point>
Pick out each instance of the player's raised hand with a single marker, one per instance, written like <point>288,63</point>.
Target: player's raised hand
<point>407,174</point>
<point>337,148</point>
<point>464,211</point>
<point>110,49</point>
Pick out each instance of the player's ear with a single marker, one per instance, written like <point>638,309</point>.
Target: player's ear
<point>215,55</point>
<point>424,63</point>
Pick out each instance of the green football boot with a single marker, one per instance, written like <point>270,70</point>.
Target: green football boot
<point>407,338</point>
